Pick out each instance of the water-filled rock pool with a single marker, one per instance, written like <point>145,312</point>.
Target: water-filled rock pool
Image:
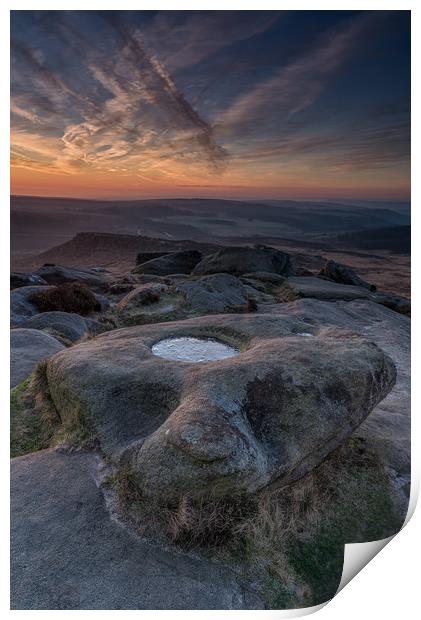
<point>189,349</point>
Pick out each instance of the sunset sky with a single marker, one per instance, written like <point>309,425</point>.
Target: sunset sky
<point>227,104</point>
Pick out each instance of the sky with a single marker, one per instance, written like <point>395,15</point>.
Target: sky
<point>229,104</point>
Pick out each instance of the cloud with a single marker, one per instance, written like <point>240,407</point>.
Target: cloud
<point>292,88</point>
<point>203,33</point>
<point>140,95</point>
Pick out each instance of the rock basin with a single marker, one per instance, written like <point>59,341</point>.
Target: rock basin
<point>188,349</point>
<point>273,412</point>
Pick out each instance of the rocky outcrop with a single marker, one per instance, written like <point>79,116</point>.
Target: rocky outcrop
<point>212,294</point>
<point>21,308</point>
<point>240,260</point>
<point>394,302</point>
<point>176,262</point>
<point>64,325</point>
<point>25,279</point>
<point>318,288</point>
<point>28,347</point>
<point>344,275</point>
<point>293,395</point>
<point>55,274</point>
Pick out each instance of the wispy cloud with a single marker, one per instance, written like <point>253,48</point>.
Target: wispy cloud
<point>293,87</point>
<point>142,96</point>
<point>155,101</point>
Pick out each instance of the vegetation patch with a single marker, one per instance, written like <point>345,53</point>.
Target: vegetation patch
<point>74,297</point>
<point>35,423</point>
<point>286,293</point>
<point>287,540</point>
<point>33,417</point>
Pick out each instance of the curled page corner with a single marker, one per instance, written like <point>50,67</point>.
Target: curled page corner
<point>358,555</point>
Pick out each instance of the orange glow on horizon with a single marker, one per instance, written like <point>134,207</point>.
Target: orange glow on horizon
<point>101,186</point>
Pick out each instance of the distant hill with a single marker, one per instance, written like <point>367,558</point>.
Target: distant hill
<point>118,252</point>
<point>395,239</point>
<point>38,224</point>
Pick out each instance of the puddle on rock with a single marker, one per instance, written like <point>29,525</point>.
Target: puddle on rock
<point>188,349</point>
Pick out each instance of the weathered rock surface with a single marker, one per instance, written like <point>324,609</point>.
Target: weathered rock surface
<point>265,276</point>
<point>344,275</point>
<point>25,279</point>
<point>394,302</point>
<point>141,296</point>
<point>27,348</point>
<point>20,306</point>
<point>71,327</point>
<point>176,262</point>
<point>221,292</point>
<point>240,260</point>
<point>294,394</point>
<point>55,274</point>
<point>66,552</point>
<point>319,288</point>
<point>388,427</point>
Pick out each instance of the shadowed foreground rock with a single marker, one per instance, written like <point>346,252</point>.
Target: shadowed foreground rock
<point>66,552</point>
<point>18,279</point>
<point>293,395</point>
<point>27,348</point>
<point>67,325</point>
<point>344,275</point>
<point>240,260</point>
<point>20,306</point>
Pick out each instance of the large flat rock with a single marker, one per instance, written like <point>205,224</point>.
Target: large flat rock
<point>318,288</point>
<point>66,552</point>
<point>291,396</point>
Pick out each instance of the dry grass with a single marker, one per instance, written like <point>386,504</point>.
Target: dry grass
<point>286,293</point>
<point>34,419</point>
<point>74,297</point>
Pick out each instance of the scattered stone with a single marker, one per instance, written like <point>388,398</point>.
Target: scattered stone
<point>21,308</point>
<point>18,280</point>
<point>176,262</point>
<point>240,260</point>
<point>344,275</point>
<point>54,274</point>
<point>68,326</point>
<point>27,348</point>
